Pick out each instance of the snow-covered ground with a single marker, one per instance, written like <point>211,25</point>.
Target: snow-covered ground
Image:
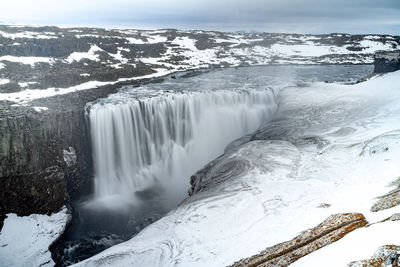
<point>338,149</point>
<point>25,241</point>
<point>23,97</point>
<point>27,60</point>
<point>122,52</point>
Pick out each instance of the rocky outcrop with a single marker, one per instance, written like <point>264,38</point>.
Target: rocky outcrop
<point>388,200</point>
<point>329,231</point>
<point>386,61</point>
<point>387,255</point>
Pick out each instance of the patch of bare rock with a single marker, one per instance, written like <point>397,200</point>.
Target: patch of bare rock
<point>387,255</point>
<point>388,200</point>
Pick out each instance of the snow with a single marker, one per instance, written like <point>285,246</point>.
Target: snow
<point>372,46</point>
<point>184,46</point>
<point>27,60</point>
<point>27,34</point>
<point>313,49</point>
<point>195,57</point>
<point>236,40</point>
<point>4,81</point>
<point>23,97</point>
<point>133,40</point>
<point>39,109</point>
<point>25,241</point>
<point>281,193</point>
<point>119,57</point>
<point>308,50</point>
<point>150,39</point>
<point>91,55</point>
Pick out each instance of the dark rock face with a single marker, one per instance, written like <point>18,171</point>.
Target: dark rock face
<point>38,192</point>
<point>34,176</point>
<point>386,61</point>
<point>45,157</point>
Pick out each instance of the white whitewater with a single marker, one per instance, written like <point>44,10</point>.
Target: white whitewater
<point>163,139</point>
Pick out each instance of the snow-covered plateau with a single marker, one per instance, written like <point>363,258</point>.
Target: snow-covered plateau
<point>330,148</point>
<point>64,60</point>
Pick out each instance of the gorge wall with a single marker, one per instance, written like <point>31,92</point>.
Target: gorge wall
<point>386,61</point>
<point>45,154</point>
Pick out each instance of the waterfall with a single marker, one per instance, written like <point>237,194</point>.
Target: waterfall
<point>163,139</point>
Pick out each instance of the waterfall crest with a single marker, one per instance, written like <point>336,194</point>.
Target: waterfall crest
<point>165,138</point>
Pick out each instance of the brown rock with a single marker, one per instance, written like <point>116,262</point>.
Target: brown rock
<point>332,229</point>
<point>389,200</point>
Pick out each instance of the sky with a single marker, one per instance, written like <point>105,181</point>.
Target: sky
<point>294,16</point>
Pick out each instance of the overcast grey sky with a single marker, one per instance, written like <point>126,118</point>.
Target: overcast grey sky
<point>303,16</point>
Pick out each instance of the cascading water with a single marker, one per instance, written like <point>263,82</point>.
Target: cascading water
<point>163,139</point>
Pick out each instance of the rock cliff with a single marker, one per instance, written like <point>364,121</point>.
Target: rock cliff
<point>386,61</point>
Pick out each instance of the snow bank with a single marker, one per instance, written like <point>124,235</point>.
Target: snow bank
<point>4,81</point>
<point>39,109</point>
<point>25,241</point>
<point>91,55</point>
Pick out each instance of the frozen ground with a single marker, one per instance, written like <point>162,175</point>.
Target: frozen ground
<point>331,148</point>
<point>25,241</point>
